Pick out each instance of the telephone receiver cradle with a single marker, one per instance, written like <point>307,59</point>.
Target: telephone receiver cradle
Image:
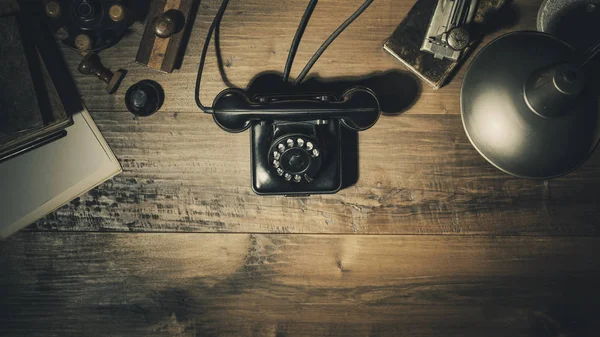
<point>357,109</point>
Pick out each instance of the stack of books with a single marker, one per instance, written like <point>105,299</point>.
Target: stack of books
<point>31,110</point>
<point>50,149</point>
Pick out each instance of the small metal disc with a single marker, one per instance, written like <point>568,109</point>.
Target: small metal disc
<point>458,38</point>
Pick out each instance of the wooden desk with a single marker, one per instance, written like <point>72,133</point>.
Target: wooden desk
<point>431,241</point>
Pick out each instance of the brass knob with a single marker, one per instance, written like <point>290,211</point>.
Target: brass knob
<point>168,23</point>
<point>83,43</point>
<point>116,13</point>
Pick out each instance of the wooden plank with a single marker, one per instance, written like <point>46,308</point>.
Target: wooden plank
<point>256,36</point>
<point>65,284</point>
<point>418,174</point>
<point>164,53</point>
<point>147,36</point>
<point>160,45</point>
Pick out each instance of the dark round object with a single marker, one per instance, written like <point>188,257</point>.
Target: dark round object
<point>84,10</point>
<point>87,12</point>
<point>91,18</point>
<point>89,63</point>
<point>144,98</point>
<point>505,130</point>
<point>295,160</point>
<point>169,23</point>
<point>139,98</point>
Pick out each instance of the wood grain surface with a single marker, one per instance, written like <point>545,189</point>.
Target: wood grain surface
<point>95,284</point>
<point>418,171</point>
<point>515,258</point>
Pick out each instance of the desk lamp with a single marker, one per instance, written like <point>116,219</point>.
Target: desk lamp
<point>527,106</point>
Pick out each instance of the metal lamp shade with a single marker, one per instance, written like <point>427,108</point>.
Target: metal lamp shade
<point>536,136</point>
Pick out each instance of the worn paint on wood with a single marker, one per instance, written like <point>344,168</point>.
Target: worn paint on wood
<point>58,284</point>
<point>418,171</point>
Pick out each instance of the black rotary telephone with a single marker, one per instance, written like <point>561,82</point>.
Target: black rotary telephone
<point>296,138</point>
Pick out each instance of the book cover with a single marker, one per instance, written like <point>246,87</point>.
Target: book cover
<point>39,181</point>
<point>405,42</point>
<point>31,107</point>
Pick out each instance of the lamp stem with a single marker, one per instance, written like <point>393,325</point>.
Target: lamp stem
<point>552,91</point>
